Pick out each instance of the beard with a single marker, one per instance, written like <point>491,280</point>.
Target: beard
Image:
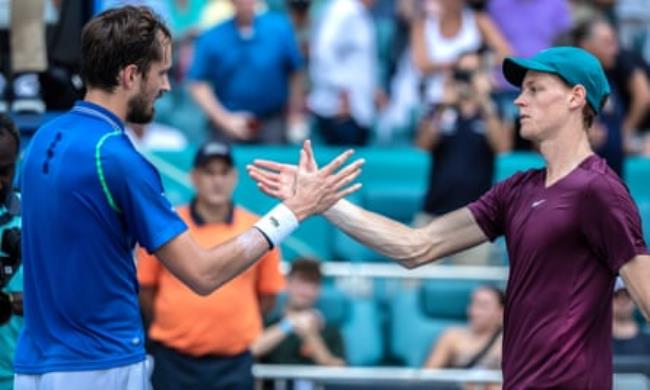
<point>139,109</point>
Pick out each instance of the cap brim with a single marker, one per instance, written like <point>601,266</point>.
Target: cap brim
<point>514,69</point>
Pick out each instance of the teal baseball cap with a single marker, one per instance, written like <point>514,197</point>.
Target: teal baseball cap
<point>573,65</point>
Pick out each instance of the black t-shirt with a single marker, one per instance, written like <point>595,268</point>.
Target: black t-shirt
<point>638,345</point>
<point>626,63</point>
<point>462,163</point>
<point>292,351</point>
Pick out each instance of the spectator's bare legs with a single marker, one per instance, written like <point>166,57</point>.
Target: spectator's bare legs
<point>28,54</point>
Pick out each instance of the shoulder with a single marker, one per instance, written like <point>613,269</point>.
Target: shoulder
<point>115,151</point>
<point>601,179</point>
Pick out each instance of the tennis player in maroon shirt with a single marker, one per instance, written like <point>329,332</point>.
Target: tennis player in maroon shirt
<point>570,228</point>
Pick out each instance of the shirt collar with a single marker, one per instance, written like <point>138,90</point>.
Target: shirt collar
<point>200,221</point>
<point>95,110</point>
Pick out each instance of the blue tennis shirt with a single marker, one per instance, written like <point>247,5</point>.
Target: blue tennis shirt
<point>88,198</point>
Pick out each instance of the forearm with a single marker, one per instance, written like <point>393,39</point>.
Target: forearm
<point>209,103</point>
<point>223,262</point>
<point>296,94</point>
<point>319,351</point>
<point>635,275</point>
<point>388,237</point>
<point>639,103</point>
<point>419,51</point>
<point>498,135</point>
<point>205,270</point>
<point>268,340</point>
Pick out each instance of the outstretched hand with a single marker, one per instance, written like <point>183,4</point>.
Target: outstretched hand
<point>306,189</point>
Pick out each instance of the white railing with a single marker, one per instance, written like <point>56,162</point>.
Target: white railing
<point>394,271</point>
<point>395,377</point>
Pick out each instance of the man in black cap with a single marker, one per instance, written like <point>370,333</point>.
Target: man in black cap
<point>203,342</point>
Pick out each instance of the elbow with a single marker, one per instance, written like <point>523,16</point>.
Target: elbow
<point>204,286</point>
<point>422,251</point>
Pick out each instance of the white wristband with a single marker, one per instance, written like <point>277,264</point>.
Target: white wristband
<point>277,224</point>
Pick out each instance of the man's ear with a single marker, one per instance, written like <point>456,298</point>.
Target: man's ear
<point>128,76</point>
<point>578,96</point>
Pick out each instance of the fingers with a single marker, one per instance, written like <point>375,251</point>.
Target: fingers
<point>303,161</point>
<point>258,174</point>
<point>352,170</point>
<point>274,193</point>
<point>310,155</point>
<point>352,189</point>
<point>345,180</point>
<point>272,165</point>
<point>337,162</point>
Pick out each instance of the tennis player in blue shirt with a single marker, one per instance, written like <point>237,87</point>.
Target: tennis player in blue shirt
<point>89,197</point>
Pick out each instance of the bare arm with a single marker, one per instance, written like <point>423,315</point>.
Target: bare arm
<point>209,103</point>
<point>419,51</point>
<point>442,352</point>
<point>296,95</point>
<point>268,340</point>
<point>319,351</point>
<point>635,273</point>
<point>411,247</point>
<point>639,88</point>
<point>235,124</point>
<point>499,135</point>
<point>492,36</point>
<point>205,270</point>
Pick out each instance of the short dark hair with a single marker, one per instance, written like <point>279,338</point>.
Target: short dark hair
<point>307,269</point>
<point>498,293</point>
<point>8,126</point>
<point>117,38</point>
<point>588,116</point>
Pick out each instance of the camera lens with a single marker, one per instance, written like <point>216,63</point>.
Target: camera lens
<point>5,308</point>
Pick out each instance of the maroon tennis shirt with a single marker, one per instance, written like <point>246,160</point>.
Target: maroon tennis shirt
<point>566,244</point>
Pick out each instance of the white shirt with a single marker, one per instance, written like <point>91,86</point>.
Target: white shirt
<point>344,57</point>
<point>443,49</point>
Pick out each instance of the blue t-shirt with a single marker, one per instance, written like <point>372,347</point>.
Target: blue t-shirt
<point>88,197</point>
<point>249,73</point>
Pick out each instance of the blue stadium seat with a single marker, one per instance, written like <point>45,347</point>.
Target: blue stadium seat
<point>447,299</point>
<point>412,333</point>
<point>511,163</point>
<point>637,174</point>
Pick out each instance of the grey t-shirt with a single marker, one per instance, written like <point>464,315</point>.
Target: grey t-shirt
<point>566,244</point>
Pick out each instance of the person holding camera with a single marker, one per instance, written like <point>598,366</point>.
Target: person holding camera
<point>463,133</point>
<point>11,276</point>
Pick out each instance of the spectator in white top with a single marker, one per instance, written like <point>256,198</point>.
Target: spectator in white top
<point>344,72</point>
<point>447,29</point>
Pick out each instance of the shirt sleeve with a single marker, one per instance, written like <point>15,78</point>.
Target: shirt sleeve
<point>270,280</point>
<point>148,268</point>
<point>137,190</point>
<point>200,67</point>
<point>611,223</point>
<point>294,57</point>
<point>489,210</point>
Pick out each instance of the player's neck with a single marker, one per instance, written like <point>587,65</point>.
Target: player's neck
<point>114,103</point>
<point>213,213</point>
<point>564,153</point>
